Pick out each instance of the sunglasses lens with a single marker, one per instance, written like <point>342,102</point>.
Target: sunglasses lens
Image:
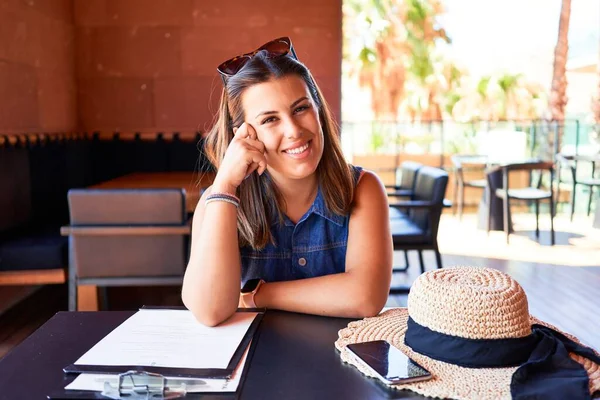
<point>232,66</point>
<point>277,47</point>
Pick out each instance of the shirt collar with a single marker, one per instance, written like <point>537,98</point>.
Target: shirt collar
<point>320,208</point>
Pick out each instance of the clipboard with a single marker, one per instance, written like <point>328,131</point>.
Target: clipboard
<point>160,390</point>
<point>178,372</point>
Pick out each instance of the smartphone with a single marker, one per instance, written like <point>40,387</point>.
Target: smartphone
<point>387,362</point>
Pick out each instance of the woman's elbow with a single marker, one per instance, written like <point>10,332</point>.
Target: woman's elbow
<point>210,320</point>
<point>371,304</point>
<point>369,309</point>
<point>208,316</point>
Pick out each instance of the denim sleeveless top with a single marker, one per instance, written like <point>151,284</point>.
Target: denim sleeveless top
<point>315,246</point>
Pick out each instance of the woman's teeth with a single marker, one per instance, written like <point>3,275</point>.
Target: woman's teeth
<point>297,150</point>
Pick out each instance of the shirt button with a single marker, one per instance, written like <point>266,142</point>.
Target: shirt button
<point>302,261</point>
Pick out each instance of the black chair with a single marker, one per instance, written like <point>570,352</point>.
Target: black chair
<point>126,237</point>
<point>466,163</point>
<point>573,162</point>
<point>418,228</point>
<point>531,193</point>
<point>404,187</point>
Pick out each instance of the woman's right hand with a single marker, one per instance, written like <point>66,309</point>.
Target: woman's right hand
<point>244,155</point>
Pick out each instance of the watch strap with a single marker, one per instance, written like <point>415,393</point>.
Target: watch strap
<point>248,298</point>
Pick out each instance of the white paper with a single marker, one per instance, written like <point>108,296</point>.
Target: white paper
<point>169,338</point>
<point>95,382</point>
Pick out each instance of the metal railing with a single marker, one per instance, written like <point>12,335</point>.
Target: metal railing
<point>446,137</point>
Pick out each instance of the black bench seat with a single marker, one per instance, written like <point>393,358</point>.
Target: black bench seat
<point>33,248</point>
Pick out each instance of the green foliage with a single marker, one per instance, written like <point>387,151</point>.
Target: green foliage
<point>382,136</point>
<point>462,139</point>
<point>367,56</point>
<point>508,82</point>
<point>378,141</point>
<point>417,12</point>
<point>451,99</point>
<point>482,86</point>
<point>420,64</point>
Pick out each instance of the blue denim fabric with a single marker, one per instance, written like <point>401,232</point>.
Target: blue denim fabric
<point>315,246</point>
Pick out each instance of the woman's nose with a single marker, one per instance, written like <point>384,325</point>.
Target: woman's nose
<point>293,128</point>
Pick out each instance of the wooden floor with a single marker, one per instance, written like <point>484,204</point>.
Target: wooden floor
<point>567,297</point>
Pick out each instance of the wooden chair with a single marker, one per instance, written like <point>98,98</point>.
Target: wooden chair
<point>466,163</point>
<point>531,193</point>
<point>124,237</point>
<point>573,162</point>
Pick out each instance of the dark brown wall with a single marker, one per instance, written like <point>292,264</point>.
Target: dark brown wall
<point>150,65</point>
<point>37,78</point>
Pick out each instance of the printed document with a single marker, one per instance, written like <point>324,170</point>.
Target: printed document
<point>171,339</point>
<point>96,382</point>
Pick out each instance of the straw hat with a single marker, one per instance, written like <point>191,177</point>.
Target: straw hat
<point>465,303</point>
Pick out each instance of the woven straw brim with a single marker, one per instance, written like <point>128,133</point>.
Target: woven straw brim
<point>449,381</point>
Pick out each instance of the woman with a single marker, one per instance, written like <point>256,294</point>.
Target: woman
<point>286,215</point>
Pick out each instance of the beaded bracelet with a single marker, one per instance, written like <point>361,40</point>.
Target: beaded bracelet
<point>235,203</point>
<point>220,195</point>
<point>228,198</point>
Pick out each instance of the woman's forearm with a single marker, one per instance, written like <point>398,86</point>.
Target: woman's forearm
<point>340,295</point>
<point>211,286</point>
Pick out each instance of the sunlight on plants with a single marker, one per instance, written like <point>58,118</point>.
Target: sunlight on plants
<point>398,54</point>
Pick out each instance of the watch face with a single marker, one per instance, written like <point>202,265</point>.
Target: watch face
<point>250,285</point>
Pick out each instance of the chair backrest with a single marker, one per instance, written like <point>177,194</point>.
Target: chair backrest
<point>112,252</point>
<point>430,186</point>
<point>473,159</point>
<point>126,206</point>
<point>468,162</point>
<point>531,166</point>
<point>408,174</point>
<point>581,162</point>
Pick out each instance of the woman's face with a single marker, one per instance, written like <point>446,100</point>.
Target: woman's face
<point>286,120</point>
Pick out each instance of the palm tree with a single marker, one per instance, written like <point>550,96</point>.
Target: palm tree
<point>558,93</point>
<point>379,65</point>
<point>398,39</point>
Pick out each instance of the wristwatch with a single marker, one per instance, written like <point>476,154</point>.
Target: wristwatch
<point>248,292</point>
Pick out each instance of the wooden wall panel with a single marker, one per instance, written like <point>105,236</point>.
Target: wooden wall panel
<point>37,74</point>
<point>174,47</point>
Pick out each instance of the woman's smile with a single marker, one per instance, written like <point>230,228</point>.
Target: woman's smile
<point>299,152</point>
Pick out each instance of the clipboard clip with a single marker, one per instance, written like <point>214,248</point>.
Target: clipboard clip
<point>138,385</point>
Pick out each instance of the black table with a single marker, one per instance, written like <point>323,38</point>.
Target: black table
<point>295,358</point>
<point>489,200</point>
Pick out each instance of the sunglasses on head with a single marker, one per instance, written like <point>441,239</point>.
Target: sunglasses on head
<point>275,48</point>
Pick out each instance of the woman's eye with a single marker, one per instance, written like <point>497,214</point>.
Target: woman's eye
<point>301,108</point>
<point>267,120</point>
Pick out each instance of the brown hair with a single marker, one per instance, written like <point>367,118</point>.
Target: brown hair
<point>256,212</point>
